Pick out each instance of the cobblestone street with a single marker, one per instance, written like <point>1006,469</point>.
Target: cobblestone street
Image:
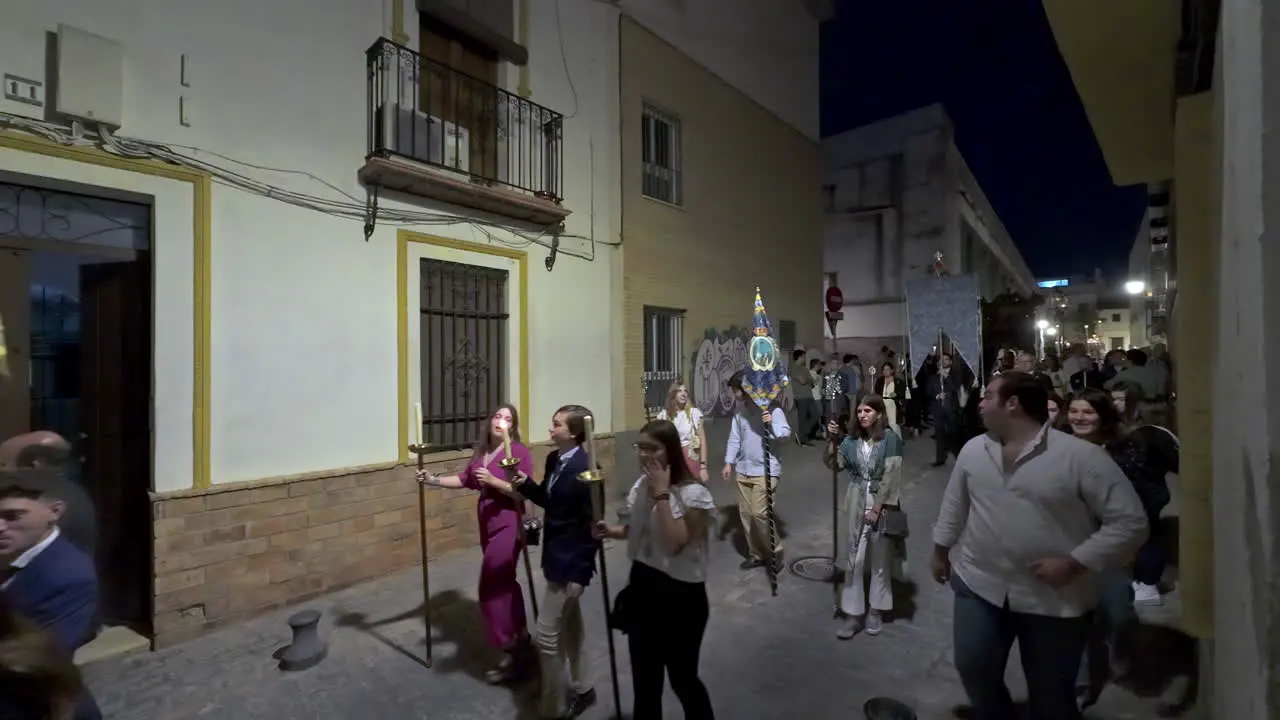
<point>764,657</point>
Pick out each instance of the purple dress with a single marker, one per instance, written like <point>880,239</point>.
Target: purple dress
<point>501,539</point>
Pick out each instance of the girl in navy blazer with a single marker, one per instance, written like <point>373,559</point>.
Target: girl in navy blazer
<point>569,550</point>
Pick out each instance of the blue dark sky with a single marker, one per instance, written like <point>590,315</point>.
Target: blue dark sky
<point>1018,122</point>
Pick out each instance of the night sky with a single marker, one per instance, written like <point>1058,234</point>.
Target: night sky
<point>1018,121</point>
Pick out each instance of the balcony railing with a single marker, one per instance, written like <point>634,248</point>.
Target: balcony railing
<point>428,112</point>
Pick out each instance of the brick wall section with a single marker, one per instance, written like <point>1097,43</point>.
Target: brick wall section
<point>228,553</point>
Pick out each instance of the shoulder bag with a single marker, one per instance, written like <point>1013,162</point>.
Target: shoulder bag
<point>893,522</point>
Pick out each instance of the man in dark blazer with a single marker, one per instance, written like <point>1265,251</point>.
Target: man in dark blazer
<point>568,562</point>
<point>43,576</point>
<point>49,451</point>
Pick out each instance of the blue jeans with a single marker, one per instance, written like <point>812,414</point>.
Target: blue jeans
<point>1051,648</point>
<point>1115,610</point>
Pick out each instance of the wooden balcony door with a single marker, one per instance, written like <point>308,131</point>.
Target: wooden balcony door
<point>458,84</point>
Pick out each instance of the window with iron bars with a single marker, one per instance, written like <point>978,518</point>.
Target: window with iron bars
<point>663,352</point>
<point>661,153</point>
<point>464,343</point>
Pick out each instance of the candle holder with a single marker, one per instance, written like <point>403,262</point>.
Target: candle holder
<point>509,463</point>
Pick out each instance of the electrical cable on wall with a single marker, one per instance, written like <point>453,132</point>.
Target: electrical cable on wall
<point>348,207</point>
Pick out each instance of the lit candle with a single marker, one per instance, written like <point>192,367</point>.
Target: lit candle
<point>590,424</point>
<point>417,415</point>
<point>506,440</point>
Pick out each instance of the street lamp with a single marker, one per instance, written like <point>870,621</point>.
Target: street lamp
<point>1135,287</point>
<point>1042,324</point>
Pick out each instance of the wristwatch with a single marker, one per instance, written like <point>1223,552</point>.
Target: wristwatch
<point>661,496</point>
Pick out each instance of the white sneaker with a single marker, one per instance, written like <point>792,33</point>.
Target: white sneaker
<point>1146,594</point>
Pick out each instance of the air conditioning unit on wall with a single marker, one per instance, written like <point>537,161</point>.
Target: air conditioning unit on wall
<point>414,134</point>
<point>432,140</point>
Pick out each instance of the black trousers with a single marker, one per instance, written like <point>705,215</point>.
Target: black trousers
<point>807,418</point>
<point>946,434</point>
<point>670,618</point>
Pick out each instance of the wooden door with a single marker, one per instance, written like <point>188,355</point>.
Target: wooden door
<point>15,343</point>
<point>458,85</point>
<point>115,421</point>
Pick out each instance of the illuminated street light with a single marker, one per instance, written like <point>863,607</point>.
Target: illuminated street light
<point>1135,287</point>
<point>1042,324</point>
<point>1051,331</point>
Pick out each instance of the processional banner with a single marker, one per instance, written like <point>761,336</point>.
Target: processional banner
<point>949,304</point>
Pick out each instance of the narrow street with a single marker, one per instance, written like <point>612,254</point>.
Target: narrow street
<point>764,657</point>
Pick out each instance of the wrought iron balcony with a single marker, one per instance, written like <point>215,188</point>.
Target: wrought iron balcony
<point>439,133</point>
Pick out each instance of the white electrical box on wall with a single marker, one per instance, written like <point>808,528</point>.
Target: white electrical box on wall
<point>90,77</point>
<point>23,83</point>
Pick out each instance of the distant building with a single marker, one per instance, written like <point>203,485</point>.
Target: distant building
<point>898,191</point>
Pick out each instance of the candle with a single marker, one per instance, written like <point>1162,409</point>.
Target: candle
<point>417,415</point>
<point>590,424</point>
<point>596,488</point>
<point>506,441</point>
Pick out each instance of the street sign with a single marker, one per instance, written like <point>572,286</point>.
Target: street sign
<point>835,299</point>
<point>833,319</point>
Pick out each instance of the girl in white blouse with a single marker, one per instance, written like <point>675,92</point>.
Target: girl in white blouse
<point>688,421</point>
<point>664,605</point>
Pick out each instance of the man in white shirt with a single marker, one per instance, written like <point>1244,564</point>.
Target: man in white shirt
<point>1029,518</point>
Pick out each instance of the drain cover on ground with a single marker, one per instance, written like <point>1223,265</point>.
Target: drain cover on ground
<point>817,569</point>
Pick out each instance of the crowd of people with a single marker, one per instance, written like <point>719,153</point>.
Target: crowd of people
<point>1049,530</point>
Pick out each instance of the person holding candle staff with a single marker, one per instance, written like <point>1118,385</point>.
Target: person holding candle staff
<point>665,612</point>
<point>569,551</point>
<point>501,536</point>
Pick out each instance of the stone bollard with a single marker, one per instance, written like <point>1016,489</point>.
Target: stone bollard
<point>307,649</point>
<point>883,708</point>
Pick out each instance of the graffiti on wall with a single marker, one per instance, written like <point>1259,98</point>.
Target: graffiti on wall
<point>718,356</point>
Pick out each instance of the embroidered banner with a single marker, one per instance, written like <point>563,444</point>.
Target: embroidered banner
<point>947,303</point>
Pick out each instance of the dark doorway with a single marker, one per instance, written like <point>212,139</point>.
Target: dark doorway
<point>115,410</point>
<point>84,349</point>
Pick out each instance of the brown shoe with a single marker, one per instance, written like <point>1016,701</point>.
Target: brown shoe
<point>851,627</point>
<point>581,702</point>
<point>503,672</point>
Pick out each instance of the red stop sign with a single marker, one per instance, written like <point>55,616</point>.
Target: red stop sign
<point>835,299</point>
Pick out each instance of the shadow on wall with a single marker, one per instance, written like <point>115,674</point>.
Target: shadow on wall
<point>718,356</point>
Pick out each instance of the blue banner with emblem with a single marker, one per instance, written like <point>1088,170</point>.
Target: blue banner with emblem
<point>765,377</point>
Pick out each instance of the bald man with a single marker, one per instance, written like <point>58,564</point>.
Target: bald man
<point>1026,362</point>
<point>49,451</point>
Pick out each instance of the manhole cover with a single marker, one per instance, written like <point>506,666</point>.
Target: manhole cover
<point>817,569</point>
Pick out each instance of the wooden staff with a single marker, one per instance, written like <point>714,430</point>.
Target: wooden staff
<point>509,463</point>
<point>835,518</point>
<point>419,449</point>
<point>594,480</point>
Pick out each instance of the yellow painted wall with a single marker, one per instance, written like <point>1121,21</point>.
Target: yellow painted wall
<point>752,211</point>
<point>1121,56</point>
<point>1196,194</point>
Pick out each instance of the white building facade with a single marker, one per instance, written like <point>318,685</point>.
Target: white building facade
<point>298,227</point>
<point>899,192</point>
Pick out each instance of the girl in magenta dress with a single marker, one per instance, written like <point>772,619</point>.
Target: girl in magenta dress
<point>501,538</point>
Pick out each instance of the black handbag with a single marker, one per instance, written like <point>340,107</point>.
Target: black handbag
<point>622,616</point>
<point>893,522</point>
